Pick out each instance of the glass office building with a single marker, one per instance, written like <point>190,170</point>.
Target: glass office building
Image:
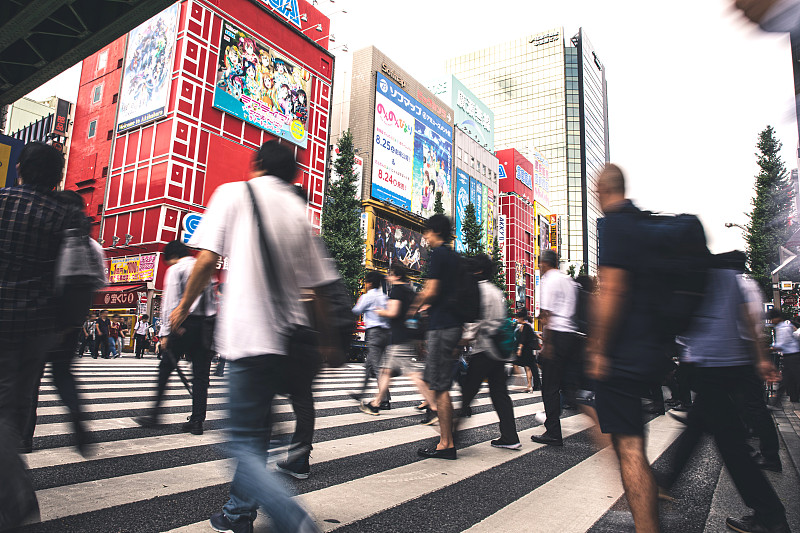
<point>548,94</point>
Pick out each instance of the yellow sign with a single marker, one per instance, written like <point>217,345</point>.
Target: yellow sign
<point>128,269</point>
<point>5,162</point>
<point>786,285</point>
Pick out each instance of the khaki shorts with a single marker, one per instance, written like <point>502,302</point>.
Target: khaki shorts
<point>400,359</point>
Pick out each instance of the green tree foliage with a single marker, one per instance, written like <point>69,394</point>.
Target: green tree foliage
<point>768,228</point>
<point>438,208</point>
<point>473,233</point>
<point>499,268</point>
<point>341,218</point>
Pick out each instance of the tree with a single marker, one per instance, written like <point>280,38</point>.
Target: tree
<point>473,233</point>
<point>571,271</point>
<point>341,218</point>
<point>768,228</point>
<point>499,268</point>
<point>438,208</point>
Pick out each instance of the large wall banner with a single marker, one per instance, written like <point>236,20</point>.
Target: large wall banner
<point>260,86</point>
<point>128,269</point>
<point>519,278</point>
<point>148,70</point>
<point>412,152</point>
<point>394,242</point>
<point>491,221</point>
<point>462,200</point>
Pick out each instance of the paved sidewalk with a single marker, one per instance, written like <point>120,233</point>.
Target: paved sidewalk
<point>788,420</point>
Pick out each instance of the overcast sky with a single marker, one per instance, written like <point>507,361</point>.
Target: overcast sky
<point>690,84</point>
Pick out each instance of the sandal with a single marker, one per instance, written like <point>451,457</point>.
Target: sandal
<point>422,406</point>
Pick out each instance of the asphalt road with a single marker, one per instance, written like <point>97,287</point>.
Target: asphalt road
<point>365,474</point>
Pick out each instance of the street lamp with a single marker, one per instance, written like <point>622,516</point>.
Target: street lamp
<point>343,47</point>
<point>318,27</point>
<point>733,224</point>
<point>331,38</point>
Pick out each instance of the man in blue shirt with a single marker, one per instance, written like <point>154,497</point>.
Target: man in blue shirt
<point>444,329</point>
<point>377,329</point>
<point>789,347</point>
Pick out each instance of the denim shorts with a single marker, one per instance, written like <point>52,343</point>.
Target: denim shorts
<point>441,357</point>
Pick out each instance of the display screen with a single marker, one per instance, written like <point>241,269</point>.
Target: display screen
<point>149,57</point>
<point>412,152</point>
<point>396,243</point>
<point>260,86</point>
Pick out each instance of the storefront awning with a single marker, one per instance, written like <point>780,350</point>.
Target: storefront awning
<point>130,287</point>
<point>123,296</point>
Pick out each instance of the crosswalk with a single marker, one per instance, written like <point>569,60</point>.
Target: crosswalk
<point>365,473</point>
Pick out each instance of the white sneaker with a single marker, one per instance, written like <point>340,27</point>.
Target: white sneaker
<point>540,417</point>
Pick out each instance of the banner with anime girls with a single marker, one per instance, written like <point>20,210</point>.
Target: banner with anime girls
<point>398,244</point>
<point>258,85</point>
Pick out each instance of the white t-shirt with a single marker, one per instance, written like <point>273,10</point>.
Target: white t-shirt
<point>248,323</point>
<point>560,298</point>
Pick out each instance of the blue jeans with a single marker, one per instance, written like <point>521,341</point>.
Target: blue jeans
<point>112,345</point>
<point>253,382</point>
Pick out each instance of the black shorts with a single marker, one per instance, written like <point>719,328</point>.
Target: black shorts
<point>619,405</point>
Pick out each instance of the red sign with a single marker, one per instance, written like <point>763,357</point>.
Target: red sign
<point>62,115</point>
<point>116,299</point>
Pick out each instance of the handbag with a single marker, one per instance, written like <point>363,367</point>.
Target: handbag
<point>329,337</point>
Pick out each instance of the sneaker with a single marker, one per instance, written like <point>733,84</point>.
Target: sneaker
<point>540,417</point>
<point>294,470</point>
<point>193,427</point>
<point>221,523</point>
<point>431,418</point>
<point>749,524</point>
<point>385,406</point>
<point>369,409</point>
<point>500,443</point>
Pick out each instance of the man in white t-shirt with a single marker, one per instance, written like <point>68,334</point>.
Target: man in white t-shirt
<point>560,341</point>
<point>252,329</point>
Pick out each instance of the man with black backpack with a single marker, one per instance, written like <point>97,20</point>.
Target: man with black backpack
<point>440,297</point>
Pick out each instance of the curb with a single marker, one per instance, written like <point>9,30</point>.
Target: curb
<point>789,428</point>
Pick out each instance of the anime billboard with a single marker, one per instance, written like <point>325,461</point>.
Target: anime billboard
<point>462,201</point>
<point>148,70</point>
<point>396,243</point>
<point>260,86</point>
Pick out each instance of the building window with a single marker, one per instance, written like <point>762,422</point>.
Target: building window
<point>97,93</point>
<point>92,128</point>
<point>110,134</point>
<point>102,59</point>
<point>114,98</point>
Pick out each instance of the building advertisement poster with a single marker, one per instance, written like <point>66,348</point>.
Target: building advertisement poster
<point>544,234</point>
<point>130,269</point>
<point>519,276</point>
<point>491,221</point>
<point>462,200</point>
<point>147,77</point>
<point>394,242</point>
<point>477,201</point>
<point>485,215</point>
<point>541,180</point>
<point>259,85</point>
<point>501,235</point>
<point>537,293</point>
<point>554,233</point>
<point>412,149</point>
<point>475,118</point>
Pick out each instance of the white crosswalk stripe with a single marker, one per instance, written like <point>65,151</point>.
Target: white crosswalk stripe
<point>363,467</point>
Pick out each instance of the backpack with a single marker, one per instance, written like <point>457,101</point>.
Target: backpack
<point>79,273</point>
<point>583,303</point>
<point>505,339</point>
<point>677,268</point>
<point>465,301</point>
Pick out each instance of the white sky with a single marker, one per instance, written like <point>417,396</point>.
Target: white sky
<point>690,84</point>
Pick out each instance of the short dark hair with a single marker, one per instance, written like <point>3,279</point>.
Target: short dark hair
<point>400,271</point>
<point>441,226</point>
<point>374,278</point>
<point>549,257</point>
<point>277,160</point>
<point>41,165</point>
<point>522,313</point>
<point>773,314</point>
<point>175,250</point>
<point>483,267</point>
<point>71,198</point>
<point>145,316</point>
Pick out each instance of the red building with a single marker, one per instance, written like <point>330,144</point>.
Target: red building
<point>178,107</point>
<point>517,206</point>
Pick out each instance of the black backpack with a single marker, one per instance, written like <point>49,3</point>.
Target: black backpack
<point>584,303</point>
<point>676,267</point>
<point>465,300</point>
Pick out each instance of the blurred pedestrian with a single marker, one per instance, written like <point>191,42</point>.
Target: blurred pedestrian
<point>252,330</point>
<point>624,346</point>
<point>444,329</point>
<point>789,349</point>
<point>560,350</point>
<point>376,327</point>
<point>103,339</point>
<point>32,225</point>
<point>528,342</point>
<point>724,347</point>
<point>486,362</point>
<point>114,336</point>
<point>193,339</point>
<point>87,334</point>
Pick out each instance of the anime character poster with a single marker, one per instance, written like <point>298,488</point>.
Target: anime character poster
<point>260,86</point>
<point>491,221</point>
<point>431,170</point>
<point>485,216</point>
<point>462,201</point>
<point>396,243</point>
<point>544,234</point>
<point>519,278</point>
<point>146,79</point>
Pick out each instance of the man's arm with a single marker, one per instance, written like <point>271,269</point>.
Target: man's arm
<point>613,291</point>
<point>425,296</point>
<point>362,304</point>
<point>764,367</point>
<point>204,268</point>
<point>392,310</point>
<point>544,320</point>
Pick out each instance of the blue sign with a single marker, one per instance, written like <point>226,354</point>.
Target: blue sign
<point>502,173</point>
<point>190,223</point>
<point>477,201</point>
<point>286,8</point>
<point>462,200</point>
<point>411,106</point>
<point>523,177</point>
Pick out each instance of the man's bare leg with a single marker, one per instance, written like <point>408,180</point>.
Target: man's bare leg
<point>444,407</point>
<point>638,480</point>
<point>384,379</point>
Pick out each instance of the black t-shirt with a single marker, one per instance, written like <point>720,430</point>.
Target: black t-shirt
<point>443,266</point>
<point>406,295</point>
<point>103,326</point>
<point>526,339</point>
<point>633,348</point>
